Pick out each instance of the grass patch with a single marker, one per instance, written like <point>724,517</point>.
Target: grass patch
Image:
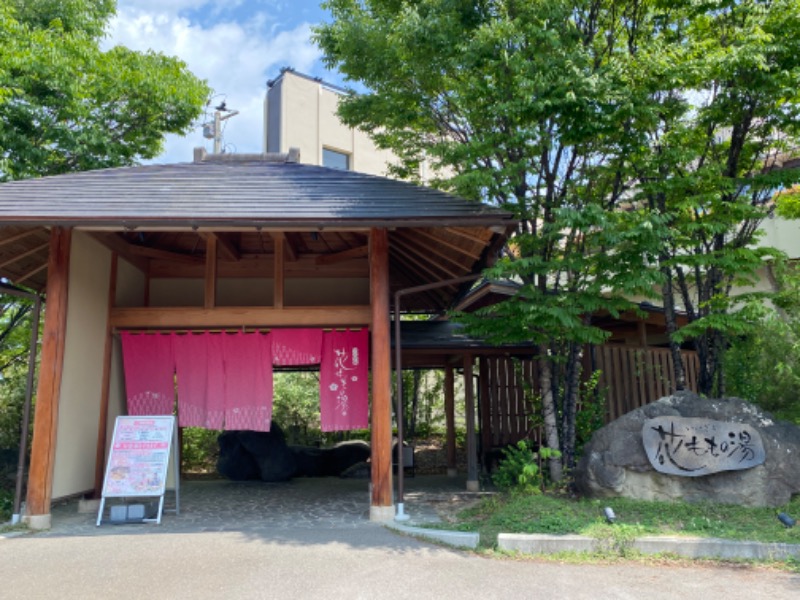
<point>517,513</point>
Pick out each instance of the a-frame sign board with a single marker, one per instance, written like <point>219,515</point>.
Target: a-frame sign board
<point>138,461</point>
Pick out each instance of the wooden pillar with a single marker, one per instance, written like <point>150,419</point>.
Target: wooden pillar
<point>210,296</point>
<point>381,508</point>
<point>45,425</point>
<point>486,411</point>
<point>102,424</point>
<point>472,451</point>
<point>450,420</point>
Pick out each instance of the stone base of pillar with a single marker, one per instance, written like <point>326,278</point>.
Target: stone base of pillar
<point>473,486</point>
<point>381,514</point>
<point>38,522</point>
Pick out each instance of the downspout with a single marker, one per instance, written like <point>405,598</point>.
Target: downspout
<point>26,409</point>
<point>398,370</point>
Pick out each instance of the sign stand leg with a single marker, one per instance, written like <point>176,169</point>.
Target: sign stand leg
<point>100,511</point>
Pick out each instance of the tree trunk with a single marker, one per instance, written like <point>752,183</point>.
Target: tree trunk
<point>672,327</point>
<point>570,407</point>
<point>549,412</point>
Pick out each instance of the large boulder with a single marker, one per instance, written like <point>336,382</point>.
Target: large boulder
<point>329,462</point>
<point>615,463</point>
<point>256,455</point>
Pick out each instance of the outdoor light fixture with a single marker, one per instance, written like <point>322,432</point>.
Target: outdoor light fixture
<point>786,519</point>
<point>609,513</point>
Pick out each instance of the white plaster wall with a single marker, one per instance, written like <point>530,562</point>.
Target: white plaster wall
<point>782,234</point>
<point>300,118</point>
<point>81,383</point>
<point>131,284</point>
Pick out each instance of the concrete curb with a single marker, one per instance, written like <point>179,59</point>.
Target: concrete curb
<point>688,547</point>
<point>459,539</point>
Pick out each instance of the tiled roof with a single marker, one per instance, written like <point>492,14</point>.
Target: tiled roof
<point>234,193</point>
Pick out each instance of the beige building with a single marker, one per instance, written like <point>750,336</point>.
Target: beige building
<point>300,112</point>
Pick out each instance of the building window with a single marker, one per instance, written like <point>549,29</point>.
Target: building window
<point>335,160</point>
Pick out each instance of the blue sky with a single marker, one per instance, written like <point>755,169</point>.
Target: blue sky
<point>236,45</point>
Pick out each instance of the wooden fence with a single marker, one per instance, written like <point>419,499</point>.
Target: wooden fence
<point>630,378</point>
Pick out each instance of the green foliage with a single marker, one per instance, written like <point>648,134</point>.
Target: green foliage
<point>296,406</point>
<point>199,450</point>
<point>6,504</point>
<point>66,105</point>
<point>592,412</point>
<point>518,470</point>
<point>635,142</point>
<point>763,365</point>
<point>546,513</point>
<point>15,333</point>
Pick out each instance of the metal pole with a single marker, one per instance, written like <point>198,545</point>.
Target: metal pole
<point>26,409</point>
<point>398,370</point>
<point>217,132</point>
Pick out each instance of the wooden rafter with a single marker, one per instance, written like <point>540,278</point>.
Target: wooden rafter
<point>165,255</point>
<point>426,253</point>
<point>115,243</point>
<point>31,273</point>
<point>25,254</point>
<point>330,259</point>
<point>438,241</point>
<point>466,234</point>
<point>226,248</point>
<point>13,238</point>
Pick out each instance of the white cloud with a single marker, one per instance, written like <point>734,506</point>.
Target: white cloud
<point>236,58</point>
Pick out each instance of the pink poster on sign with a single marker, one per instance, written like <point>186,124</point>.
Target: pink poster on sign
<point>343,381</point>
<point>296,347</point>
<point>248,381</point>
<point>149,373</point>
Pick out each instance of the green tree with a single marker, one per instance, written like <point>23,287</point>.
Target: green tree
<point>722,81</point>
<point>522,104</point>
<point>66,105</point>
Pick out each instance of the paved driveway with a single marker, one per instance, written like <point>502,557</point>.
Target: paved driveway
<point>249,549</point>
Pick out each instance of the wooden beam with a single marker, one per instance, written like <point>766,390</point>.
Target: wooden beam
<point>210,287</point>
<point>279,278</point>
<point>224,245</point>
<point>337,257</point>
<point>102,422</point>
<point>40,479</point>
<point>165,255</point>
<point>381,504</point>
<point>235,317</point>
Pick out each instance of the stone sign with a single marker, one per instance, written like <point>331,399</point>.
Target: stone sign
<point>692,447</point>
